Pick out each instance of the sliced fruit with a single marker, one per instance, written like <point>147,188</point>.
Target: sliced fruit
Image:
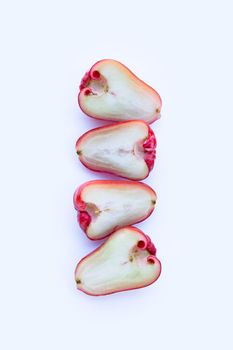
<point>105,205</point>
<point>125,261</point>
<point>124,149</point>
<point>111,91</point>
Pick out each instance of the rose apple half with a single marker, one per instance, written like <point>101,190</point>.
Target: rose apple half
<point>104,205</point>
<point>124,149</point>
<point>125,261</point>
<point>110,91</point>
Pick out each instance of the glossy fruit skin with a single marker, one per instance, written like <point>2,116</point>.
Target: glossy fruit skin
<point>89,75</point>
<point>84,218</point>
<point>149,147</point>
<point>148,247</point>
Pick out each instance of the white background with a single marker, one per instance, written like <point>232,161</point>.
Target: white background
<point>184,50</point>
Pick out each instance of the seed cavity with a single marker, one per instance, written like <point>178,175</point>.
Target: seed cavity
<point>95,74</point>
<point>151,260</point>
<point>141,244</point>
<point>88,92</point>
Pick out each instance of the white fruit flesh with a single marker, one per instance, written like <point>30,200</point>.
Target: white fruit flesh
<point>116,149</point>
<point>117,265</point>
<point>114,205</point>
<point>120,95</point>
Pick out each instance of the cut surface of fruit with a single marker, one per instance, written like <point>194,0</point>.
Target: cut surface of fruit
<point>124,149</point>
<point>106,205</point>
<point>125,261</point>
<point>111,91</point>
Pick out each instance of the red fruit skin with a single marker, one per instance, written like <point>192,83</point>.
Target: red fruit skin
<point>78,202</point>
<point>149,146</point>
<point>150,246</point>
<point>83,217</point>
<point>88,75</point>
<point>85,80</point>
<point>80,205</point>
<point>144,237</point>
<point>84,220</point>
